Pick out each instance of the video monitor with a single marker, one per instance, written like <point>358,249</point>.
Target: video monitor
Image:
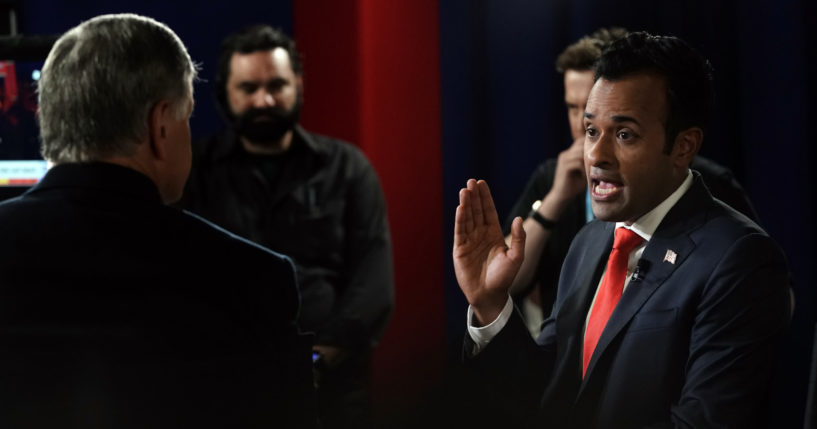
<point>21,61</point>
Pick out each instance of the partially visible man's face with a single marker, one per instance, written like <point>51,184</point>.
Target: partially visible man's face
<point>263,93</point>
<point>178,133</point>
<point>628,172</point>
<point>578,84</point>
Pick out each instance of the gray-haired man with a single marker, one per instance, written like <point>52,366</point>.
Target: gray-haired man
<point>119,311</point>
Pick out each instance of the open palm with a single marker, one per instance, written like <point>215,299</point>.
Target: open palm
<point>485,267</point>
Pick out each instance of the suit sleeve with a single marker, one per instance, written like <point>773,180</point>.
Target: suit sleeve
<point>507,378</point>
<point>742,313</point>
<point>366,302</point>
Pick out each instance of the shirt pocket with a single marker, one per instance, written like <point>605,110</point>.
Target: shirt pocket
<point>321,226</point>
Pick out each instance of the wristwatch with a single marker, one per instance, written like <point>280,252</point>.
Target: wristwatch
<point>534,213</point>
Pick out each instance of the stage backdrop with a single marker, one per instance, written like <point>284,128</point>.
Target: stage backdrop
<point>437,92</point>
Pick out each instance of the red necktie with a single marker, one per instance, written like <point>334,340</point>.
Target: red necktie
<point>610,290</point>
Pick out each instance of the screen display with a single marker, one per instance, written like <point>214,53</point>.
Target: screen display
<point>21,164</point>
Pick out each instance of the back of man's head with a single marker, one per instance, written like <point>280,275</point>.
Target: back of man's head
<point>583,54</point>
<point>100,81</point>
<point>247,40</point>
<point>688,76</point>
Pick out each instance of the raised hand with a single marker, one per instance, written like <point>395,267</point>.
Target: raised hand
<point>484,265</point>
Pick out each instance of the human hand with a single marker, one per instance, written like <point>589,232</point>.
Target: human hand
<point>485,267</point>
<point>569,179</point>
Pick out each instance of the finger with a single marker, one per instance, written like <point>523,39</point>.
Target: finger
<point>576,151</point>
<point>489,215</point>
<point>476,202</point>
<point>516,252</point>
<point>459,227</point>
<point>463,221</point>
<point>575,164</point>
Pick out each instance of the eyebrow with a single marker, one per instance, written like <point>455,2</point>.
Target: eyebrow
<point>615,118</point>
<point>622,118</point>
<point>257,82</point>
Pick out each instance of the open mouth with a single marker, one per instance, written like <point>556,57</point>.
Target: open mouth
<point>604,189</point>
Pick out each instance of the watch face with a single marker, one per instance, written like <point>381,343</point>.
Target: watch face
<point>536,204</point>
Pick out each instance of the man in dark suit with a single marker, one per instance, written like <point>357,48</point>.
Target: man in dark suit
<point>117,310</point>
<point>675,322</point>
<point>556,203</point>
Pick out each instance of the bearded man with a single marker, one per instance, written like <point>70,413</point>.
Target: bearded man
<point>313,198</point>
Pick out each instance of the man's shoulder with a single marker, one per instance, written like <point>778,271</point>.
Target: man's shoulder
<point>716,230</point>
<point>709,168</point>
<point>230,246</point>
<point>332,147</point>
<point>724,226</point>
<point>715,215</point>
<point>18,214</point>
<point>10,204</point>
<point>342,160</point>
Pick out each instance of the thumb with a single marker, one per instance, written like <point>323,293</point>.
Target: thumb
<point>517,250</point>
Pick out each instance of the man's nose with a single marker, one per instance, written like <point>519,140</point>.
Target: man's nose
<point>263,99</point>
<point>600,152</point>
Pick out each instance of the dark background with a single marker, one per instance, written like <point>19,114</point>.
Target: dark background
<point>437,92</point>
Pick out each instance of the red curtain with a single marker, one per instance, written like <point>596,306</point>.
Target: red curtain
<point>372,77</point>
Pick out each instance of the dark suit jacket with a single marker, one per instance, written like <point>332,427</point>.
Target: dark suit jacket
<point>690,343</point>
<point>118,311</point>
<point>720,181</point>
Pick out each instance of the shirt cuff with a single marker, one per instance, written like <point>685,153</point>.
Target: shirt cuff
<point>483,335</point>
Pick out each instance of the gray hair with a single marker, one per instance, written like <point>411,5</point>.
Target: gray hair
<point>101,80</point>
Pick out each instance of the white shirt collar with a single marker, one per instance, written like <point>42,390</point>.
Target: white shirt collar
<point>646,225</point>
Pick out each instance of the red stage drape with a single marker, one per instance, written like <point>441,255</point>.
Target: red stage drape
<point>372,77</point>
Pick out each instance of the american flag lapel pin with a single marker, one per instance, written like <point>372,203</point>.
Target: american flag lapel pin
<point>670,257</point>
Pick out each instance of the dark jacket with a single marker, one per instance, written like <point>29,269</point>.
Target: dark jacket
<point>319,203</point>
<point>118,311</point>
<point>691,343</point>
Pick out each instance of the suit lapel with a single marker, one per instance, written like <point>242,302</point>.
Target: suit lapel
<point>667,250</point>
<point>574,309</point>
<point>572,314</point>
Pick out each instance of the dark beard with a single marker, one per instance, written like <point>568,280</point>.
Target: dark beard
<point>272,126</point>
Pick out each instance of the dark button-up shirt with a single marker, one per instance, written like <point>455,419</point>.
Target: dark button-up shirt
<point>321,204</point>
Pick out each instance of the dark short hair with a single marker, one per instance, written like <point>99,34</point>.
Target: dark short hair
<point>247,40</point>
<point>583,54</point>
<point>687,75</point>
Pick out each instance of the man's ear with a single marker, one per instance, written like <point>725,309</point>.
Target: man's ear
<point>687,144</point>
<point>299,84</point>
<point>158,122</point>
